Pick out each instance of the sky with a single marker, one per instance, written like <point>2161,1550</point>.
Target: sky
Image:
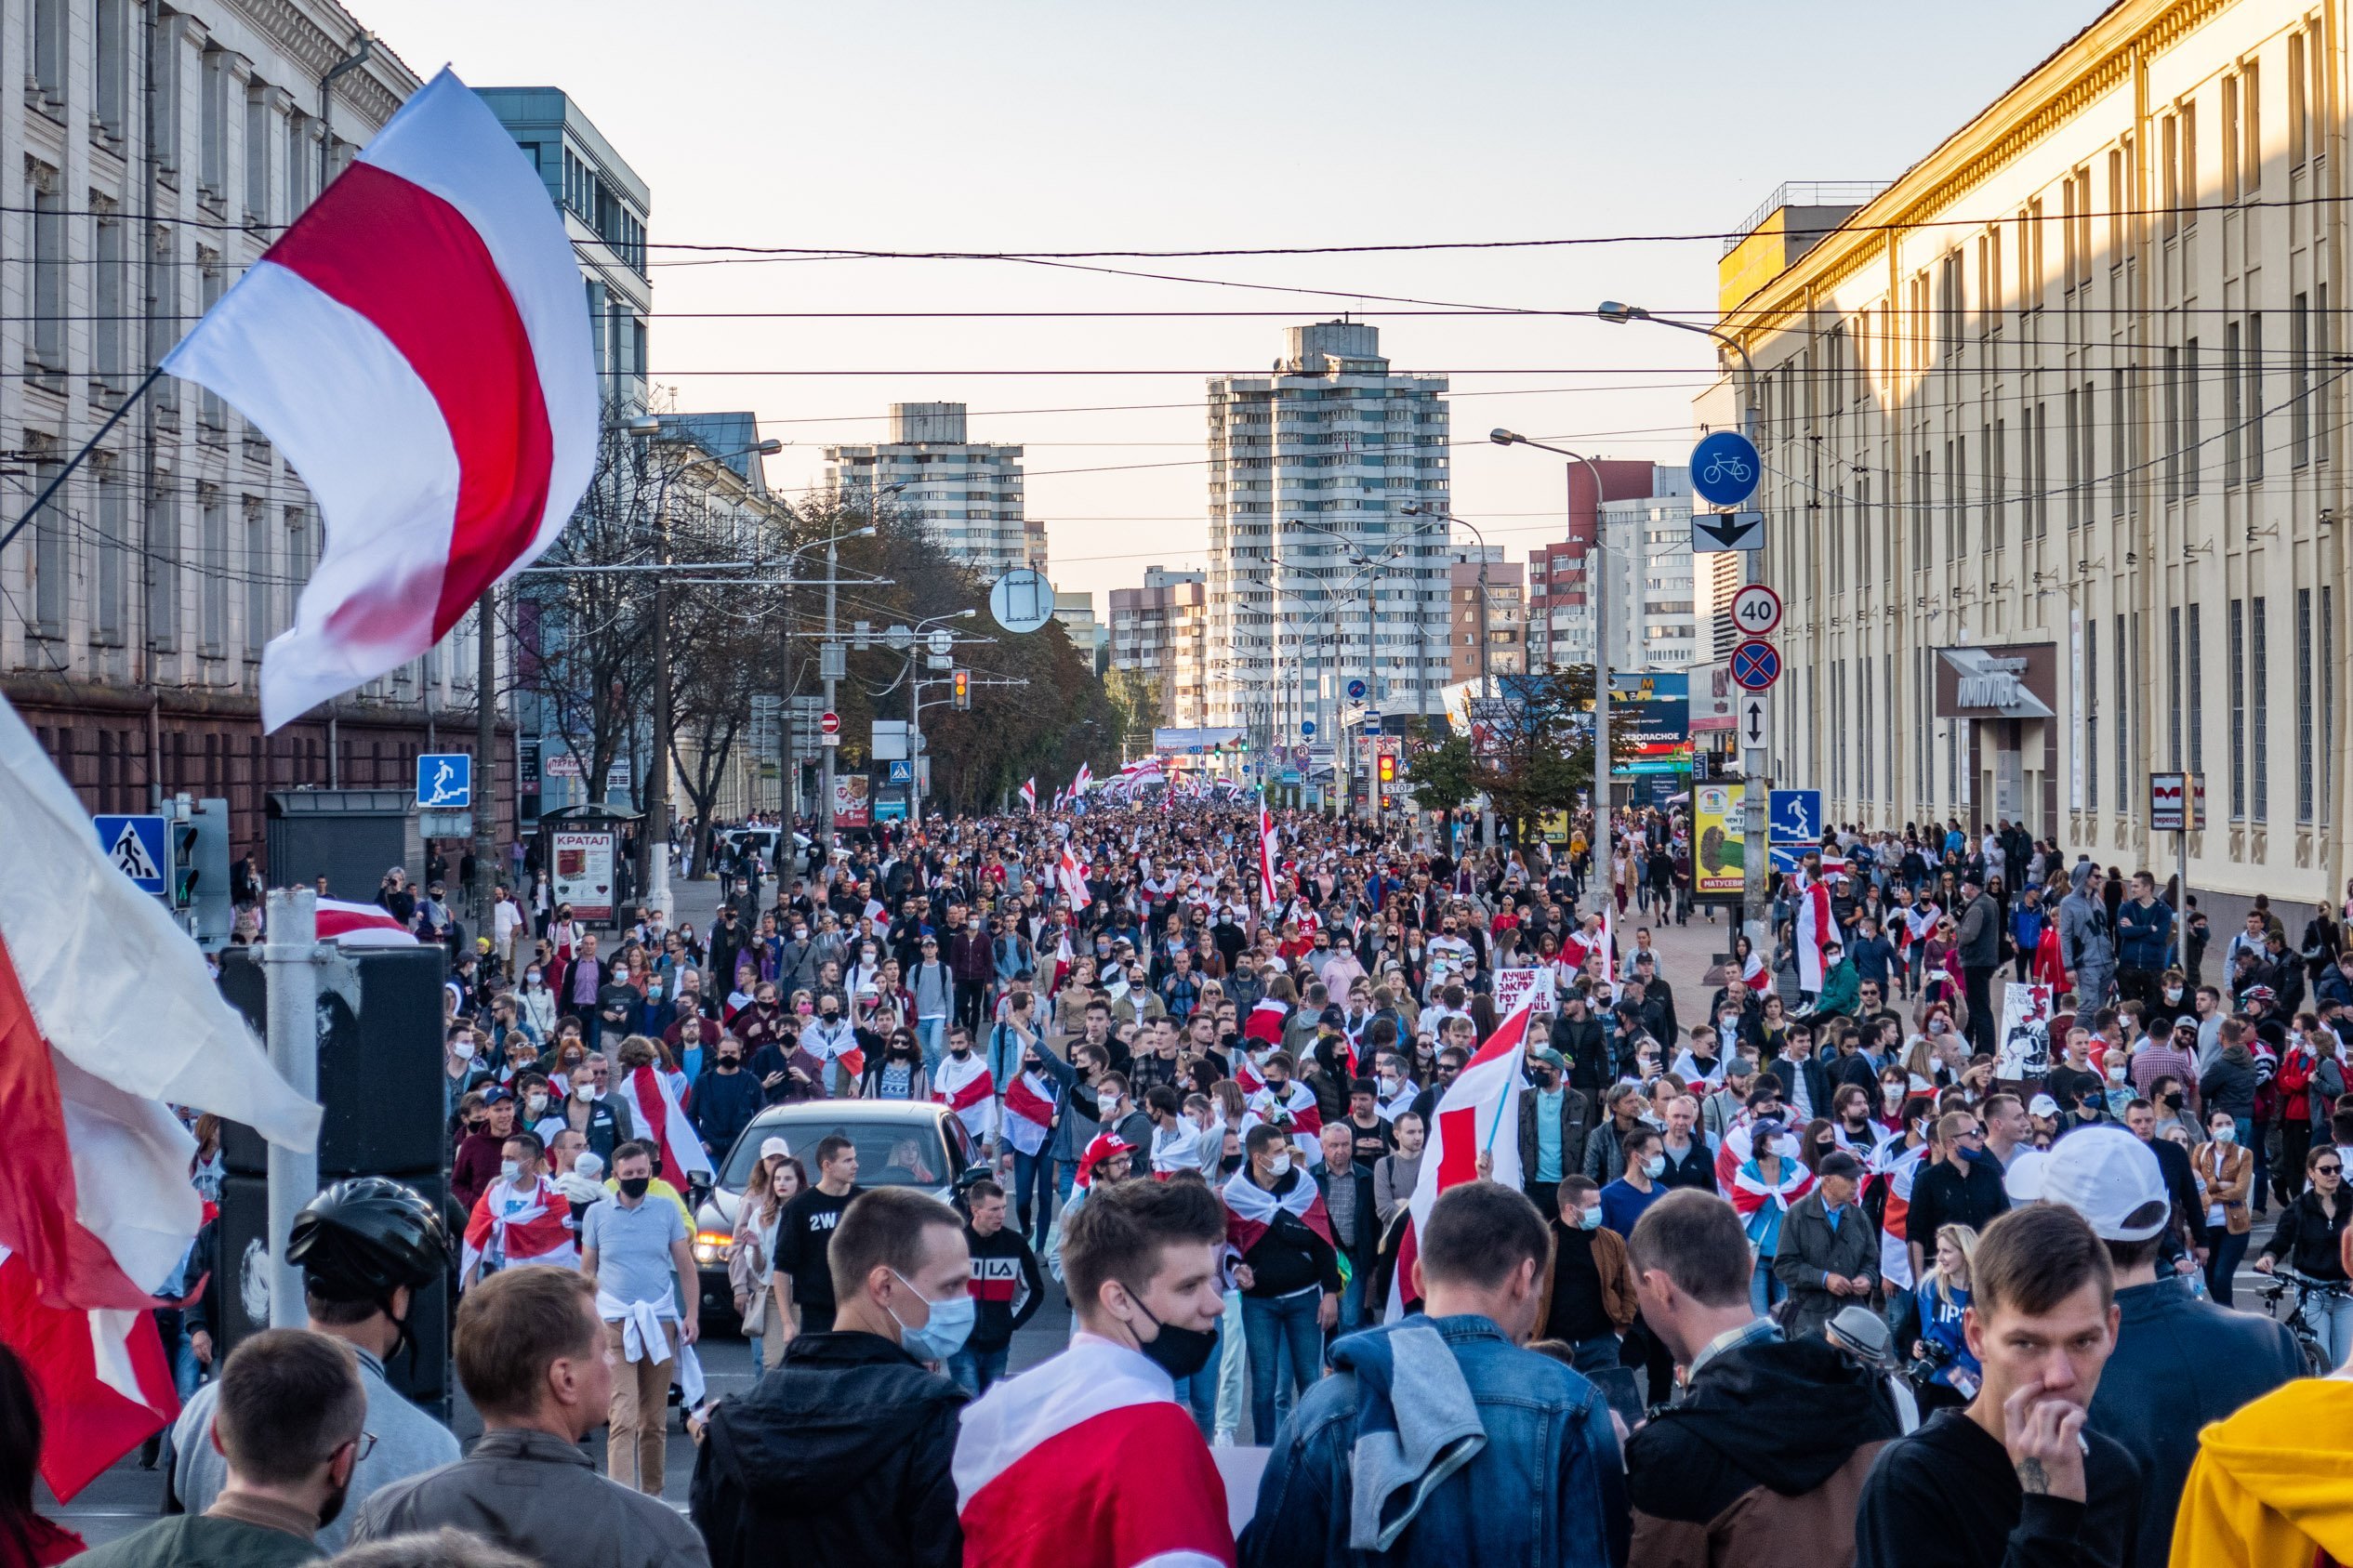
<point>1059,125</point>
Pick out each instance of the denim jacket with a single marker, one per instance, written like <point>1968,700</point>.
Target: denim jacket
<point>1550,1449</point>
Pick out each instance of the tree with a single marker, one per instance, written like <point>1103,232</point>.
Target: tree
<point>1443,775</point>
<point>1540,751</point>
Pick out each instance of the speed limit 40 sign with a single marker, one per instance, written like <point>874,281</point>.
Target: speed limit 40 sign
<point>1756,610</point>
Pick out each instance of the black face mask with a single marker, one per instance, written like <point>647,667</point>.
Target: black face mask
<point>728,1064</point>
<point>2173,1103</point>
<point>1180,1353</point>
<point>635,1186</point>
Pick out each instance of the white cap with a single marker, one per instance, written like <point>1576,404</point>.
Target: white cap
<point>774,1148</point>
<point>2042,1105</point>
<point>2105,1174</point>
<point>590,1165</point>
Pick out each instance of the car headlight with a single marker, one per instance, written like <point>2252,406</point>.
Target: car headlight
<point>713,1247</point>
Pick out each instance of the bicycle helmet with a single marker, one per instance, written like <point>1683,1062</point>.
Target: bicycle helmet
<point>364,1238</point>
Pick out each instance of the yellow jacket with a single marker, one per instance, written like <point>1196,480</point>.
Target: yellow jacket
<point>2271,1484</point>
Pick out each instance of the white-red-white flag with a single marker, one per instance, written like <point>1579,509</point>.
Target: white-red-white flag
<point>361,925</point>
<point>1029,793</point>
<point>1814,929</point>
<point>966,1087</point>
<point>1071,878</point>
<point>1266,849</point>
<point>106,1014</point>
<point>661,1123</point>
<point>531,1222</point>
<point>1088,1461</point>
<point>417,346</point>
<point>1479,1113</point>
<point>1080,780</point>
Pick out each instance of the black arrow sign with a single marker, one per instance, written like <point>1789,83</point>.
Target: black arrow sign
<point>1725,528</point>
<point>1756,723</point>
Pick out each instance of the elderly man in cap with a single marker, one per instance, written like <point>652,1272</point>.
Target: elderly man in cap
<point>2179,1361</point>
<point>1829,1253</point>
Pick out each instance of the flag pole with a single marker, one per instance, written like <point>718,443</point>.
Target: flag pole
<point>75,461</point>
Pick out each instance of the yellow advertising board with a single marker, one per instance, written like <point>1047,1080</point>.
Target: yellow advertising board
<point>1716,864</point>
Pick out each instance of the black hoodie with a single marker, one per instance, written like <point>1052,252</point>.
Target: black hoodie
<point>839,1458</point>
<point>1764,1456</point>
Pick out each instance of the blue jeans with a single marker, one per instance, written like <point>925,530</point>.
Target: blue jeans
<point>1352,1305</point>
<point>1033,1187</point>
<point>1764,1287</point>
<point>1065,1178</point>
<point>2222,1263</point>
<point>2331,1320</point>
<point>1597,1355</point>
<point>975,1370</point>
<point>932,1034</point>
<point>1276,1333</point>
<point>1198,1392</point>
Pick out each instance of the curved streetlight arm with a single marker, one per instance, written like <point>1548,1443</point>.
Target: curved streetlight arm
<point>1751,416</point>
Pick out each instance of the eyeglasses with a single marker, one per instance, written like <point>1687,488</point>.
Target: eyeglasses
<point>361,1446</point>
<point>2328,1170</point>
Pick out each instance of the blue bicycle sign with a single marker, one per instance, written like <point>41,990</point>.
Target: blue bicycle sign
<point>1725,467</point>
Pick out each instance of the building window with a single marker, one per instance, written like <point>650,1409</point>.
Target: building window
<point>2299,381</point>
<point>2249,128</point>
<point>163,55</point>
<point>48,341</point>
<point>161,563</point>
<point>2232,132</point>
<point>2118,659</point>
<point>2116,447</point>
<point>258,141</point>
<point>2259,699</point>
<point>2304,684</point>
<point>2254,364</point>
<point>111,606</point>
<point>212,130</point>
<point>212,566</point>
<point>2191,434</point>
<point>52,554</point>
<point>46,73</point>
<point>2299,117</point>
<point>2196,643</point>
<point>110,85</point>
<point>2233,408</point>
<point>2173,427</point>
<point>212,416</point>
<point>258,575</point>
<point>2172,683</point>
<point>2238,711</point>
<point>110,297</point>
<point>2091,712</point>
<point>2328,706</point>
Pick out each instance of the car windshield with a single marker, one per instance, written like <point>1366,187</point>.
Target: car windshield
<point>891,1153</point>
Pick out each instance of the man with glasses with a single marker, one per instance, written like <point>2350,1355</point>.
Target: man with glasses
<point>1962,1188</point>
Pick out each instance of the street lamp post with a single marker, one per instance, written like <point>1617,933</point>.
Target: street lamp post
<point>1755,857</point>
<point>1596,578</point>
<point>915,709</point>
<point>1487,681</point>
<point>825,660</point>
<point>788,771</point>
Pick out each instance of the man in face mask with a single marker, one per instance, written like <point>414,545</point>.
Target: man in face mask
<point>877,1488</point>
<point>1290,1272</point>
<point>1141,1262</point>
<point>640,1255</point>
<point>726,1097</point>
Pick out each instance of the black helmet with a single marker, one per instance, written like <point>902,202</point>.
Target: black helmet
<point>363,1239</point>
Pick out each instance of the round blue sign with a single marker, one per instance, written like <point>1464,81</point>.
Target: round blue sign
<point>1355,691</point>
<point>1726,468</point>
<point>1306,726</point>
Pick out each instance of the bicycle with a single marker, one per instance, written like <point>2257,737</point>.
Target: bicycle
<point>2317,1361</point>
<point>1727,469</point>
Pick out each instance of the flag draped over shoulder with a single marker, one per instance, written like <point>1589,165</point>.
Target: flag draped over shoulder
<point>1469,1121</point>
<point>530,1223</point>
<point>966,1087</point>
<point>1251,1210</point>
<point>661,1123</point>
<point>107,1018</point>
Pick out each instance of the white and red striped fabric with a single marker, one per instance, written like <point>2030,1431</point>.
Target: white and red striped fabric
<point>1307,1118</point>
<point>1079,781</point>
<point>417,345</point>
<point>1753,974</point>
<point>1814,929</point>
<point>361,925</point>
<point>1246,1072</point>
<point>106,1014</point>
<point>966,1087</point>
<point>1071,878</point>
<point>1900,1167</point>
<point>531,1223</point>
<point>1267,848</point>
<point>1251,1209</point>
<point>1751,1194</point>
<point>1088,1461</point>
<point>1469,1121</point>
<point>1029,1112</point>
<point>1265,1022</point>
<point>1029,793</point>
<point>660,1122</point>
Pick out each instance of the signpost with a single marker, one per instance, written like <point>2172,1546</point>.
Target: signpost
<point>136,846</point>
<point>1022,601</point>
<point>1756,610</point>
<point>1355,691</point>
<point>2178,805</point>
<point>829,728</point>
<point>1753,718</point>
<point>1715,532</point>
<point>1755,665</point>
<point>1725,467</point>
<point>1794,816</point>
<point>446,780</point>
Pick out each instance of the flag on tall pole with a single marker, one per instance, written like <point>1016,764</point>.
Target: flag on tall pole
<point>108,1018</point>
<point>1265,854</point>
<point>1029,793</point>
<point>416,345</point>
<point>1482,1101</point>
<point>1079,781</point>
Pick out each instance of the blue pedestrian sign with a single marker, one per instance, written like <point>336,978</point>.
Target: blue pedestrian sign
<point>1306,726</point>
<point>1787,858</point>
<point>446,780</point>
<point>1725,467</point>
<point>136,846</point>
<point>1794,816</point>
<point>901,773</point>
<point>1355,691</point>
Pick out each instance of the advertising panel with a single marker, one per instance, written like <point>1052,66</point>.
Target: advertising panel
<point>851,797</point>
<point>583,872</point>
<point>1717,866</point>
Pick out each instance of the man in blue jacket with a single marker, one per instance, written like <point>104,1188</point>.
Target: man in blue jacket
<point>1439,1441</point>
<point>2144,936</point>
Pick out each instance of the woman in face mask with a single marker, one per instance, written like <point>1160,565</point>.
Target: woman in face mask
<point>897,1072</point>
<point>1894,1084</point>
<point>536,1002</point>
<point>2226,1175</point>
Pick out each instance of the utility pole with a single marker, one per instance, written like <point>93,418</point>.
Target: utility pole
<point>825,656</point>
<point>787,776</point>
<point>486,759</point>
<point>654,842</point>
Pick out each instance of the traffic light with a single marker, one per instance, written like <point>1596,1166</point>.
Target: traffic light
<point>1388,767</point>
<point>960,682</point>
<point>185,869</point>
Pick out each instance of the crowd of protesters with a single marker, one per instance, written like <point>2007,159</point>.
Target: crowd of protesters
<point>1816,1264</point>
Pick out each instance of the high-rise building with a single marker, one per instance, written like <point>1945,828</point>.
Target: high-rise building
<point>1156,634</point>
<point>967,495</point>
<point>605,209</point>
<point>1311,466</point>
<point>1645,508</point>
<point>1088,634</point>
<point>158,150</point>
<point>1500,623</point>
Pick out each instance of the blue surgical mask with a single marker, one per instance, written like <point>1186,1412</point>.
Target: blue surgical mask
<point>945,1335</point>
<point>1589,1218</point>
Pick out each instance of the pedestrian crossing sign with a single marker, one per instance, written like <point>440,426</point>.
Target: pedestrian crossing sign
<point>136,846</point>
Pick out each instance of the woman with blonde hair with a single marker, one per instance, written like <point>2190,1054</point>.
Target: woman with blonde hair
<point>768,1321</point>
<point>1943,1299</point>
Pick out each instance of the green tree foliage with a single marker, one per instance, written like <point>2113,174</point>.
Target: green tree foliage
<point>1443,775</point>
<point>1541,757</point>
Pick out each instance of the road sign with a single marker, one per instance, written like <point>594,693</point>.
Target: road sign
<point>444,824</point>
<point>1022,601</point>
<point>136,846</point>
<point>901,773</point>
<point>2176,802</point>
<point>941,643</point>
<point>1306,726</point>
<point>1756,610</point>
<point>1725,467</point>
<point>1794,816</point>
<point>446,780</point>
<point>1715,532</point>
<point>1355,691</point>
<point>1786,857</point>
<point>1755,665</point>
<point>1752,716</point>
<point>899,638</point>
<point>829,723</point>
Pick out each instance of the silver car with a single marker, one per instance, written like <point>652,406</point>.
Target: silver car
<point>901,1143</point>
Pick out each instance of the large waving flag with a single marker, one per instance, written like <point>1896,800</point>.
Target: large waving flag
<point>1265,856</point>
<point>1814,930</point>
<point>661,1123</point>
<point>361,925</point>
<point>1071,877</point>
<point>417,345</point>
<point>532,1223</point>
<point>106,1014</point>
<point>1479,1113</point>
<point>1029,793</point>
